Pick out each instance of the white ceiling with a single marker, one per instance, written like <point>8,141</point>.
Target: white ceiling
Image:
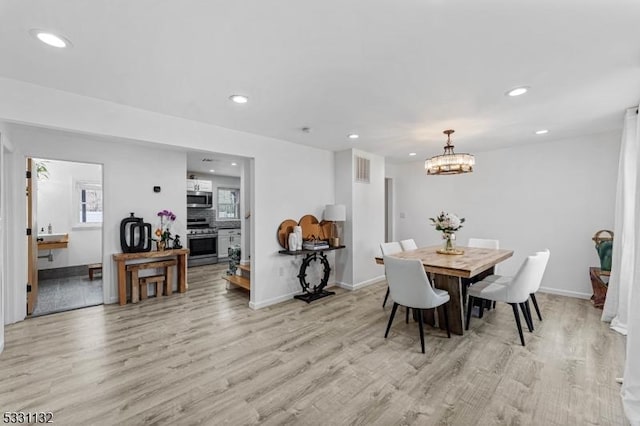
<point>396,72</point>
<point>200,163</point>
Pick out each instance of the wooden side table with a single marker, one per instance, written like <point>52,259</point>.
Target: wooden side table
<point>599,286</point>
<point>121,260</point>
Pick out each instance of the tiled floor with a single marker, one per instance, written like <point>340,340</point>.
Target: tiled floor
<point>64,294</point>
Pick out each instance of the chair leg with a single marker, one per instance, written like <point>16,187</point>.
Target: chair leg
<point>494,304</point>
<point>393,313</point>
<point>421,329</point>
<point>529,313</point>
<point>469,309</point>
<point>386,296</point>
<point>517,316</point>
<point>446,320</point>
<point>481,309</point>
<point>406,319</point>
<point>535,305</point>
<point>527,319</point>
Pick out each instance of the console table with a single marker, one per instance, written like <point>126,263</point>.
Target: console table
<point>121,260</point>
<point>311,293</point>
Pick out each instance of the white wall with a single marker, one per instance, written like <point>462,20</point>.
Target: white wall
<point>364,229</point>
<point>130,173</point>
<point>282,184</point>
<point>368,222</point>
<point>555,195</point>
<point>57,205</point>
<point>344,195</point>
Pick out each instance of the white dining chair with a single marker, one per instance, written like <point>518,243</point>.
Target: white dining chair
<point>388,249</point>
<point>410,287</point>
<point>409,244</point>
<point>514,292</point>
<point>483,243</point>
<point>546,254</point>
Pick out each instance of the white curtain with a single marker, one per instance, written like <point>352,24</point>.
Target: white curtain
<point>623,295</point>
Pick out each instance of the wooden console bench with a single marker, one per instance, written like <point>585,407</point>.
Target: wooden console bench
<point>121,260</point>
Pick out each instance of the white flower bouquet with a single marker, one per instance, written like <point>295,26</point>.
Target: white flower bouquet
<point>447,222</point>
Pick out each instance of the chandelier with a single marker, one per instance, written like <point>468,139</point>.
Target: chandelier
<point>449,163</point>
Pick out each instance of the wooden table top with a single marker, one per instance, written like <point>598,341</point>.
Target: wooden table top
<point>471,263</point>
<point>150,254</point>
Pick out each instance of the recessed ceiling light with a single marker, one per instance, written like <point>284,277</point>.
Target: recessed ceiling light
<point>353,136</point>
<point>239,99</point>
<point>51,39</point>
<point>518,91</point>
<point>212,170</point>
<point>234,164</point>
<point>411,154</point>
<point>542,132</point>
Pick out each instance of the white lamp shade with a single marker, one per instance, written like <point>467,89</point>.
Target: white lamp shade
<point>335,212</point>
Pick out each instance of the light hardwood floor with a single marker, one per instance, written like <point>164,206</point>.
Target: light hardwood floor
<point>204,357</point>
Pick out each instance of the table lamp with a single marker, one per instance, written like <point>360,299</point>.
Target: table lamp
<point>335,213</point>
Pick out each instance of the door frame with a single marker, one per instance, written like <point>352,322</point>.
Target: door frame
<point>32,244</point>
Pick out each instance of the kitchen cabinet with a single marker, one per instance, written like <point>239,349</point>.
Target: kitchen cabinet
<point>227,238</point>
<point>199,185</point>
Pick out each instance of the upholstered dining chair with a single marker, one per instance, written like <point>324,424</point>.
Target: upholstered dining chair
<point>546,254</point>
<point>483,243</point>
<point>410,287</point>
<point>409,244</point>
<point>387,250</point>
<point>514,292</point>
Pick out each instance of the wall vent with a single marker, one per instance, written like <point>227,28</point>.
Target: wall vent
<point>362,166</point>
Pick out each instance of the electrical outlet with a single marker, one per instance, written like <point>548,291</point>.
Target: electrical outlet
<point>402,215</point>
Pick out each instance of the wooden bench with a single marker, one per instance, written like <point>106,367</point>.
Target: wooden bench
<point>135,268</point>
<point>143,284</point>
<point>94,267</point>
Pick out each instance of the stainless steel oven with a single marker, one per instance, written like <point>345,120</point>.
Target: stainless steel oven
<point>202,241</point>
<point>203,249</point>
<point>199,199</point>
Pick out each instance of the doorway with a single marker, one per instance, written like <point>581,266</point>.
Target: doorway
<point>64,214</point>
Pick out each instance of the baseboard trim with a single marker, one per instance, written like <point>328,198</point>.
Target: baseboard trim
<point>245,261</point>
<point>356,286</point>
<point>272,301</point>
<point>286,297</point>
<point>568,293</point>
<point>111,301</point>
<point>1,346</point>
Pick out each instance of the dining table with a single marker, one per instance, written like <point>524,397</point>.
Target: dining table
<point>446,271</point>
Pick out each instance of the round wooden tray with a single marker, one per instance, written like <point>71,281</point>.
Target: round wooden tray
<point>285,228</point>
<point>453,252</point>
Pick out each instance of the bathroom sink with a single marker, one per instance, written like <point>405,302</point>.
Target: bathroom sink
<point>50,238</point>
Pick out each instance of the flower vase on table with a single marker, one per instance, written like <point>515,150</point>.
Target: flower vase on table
<point>448,223</point>
<point>163,232</point>
<point>449,241</point>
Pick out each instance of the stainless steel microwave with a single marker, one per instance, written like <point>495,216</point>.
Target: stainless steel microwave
<point>200,199</point>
